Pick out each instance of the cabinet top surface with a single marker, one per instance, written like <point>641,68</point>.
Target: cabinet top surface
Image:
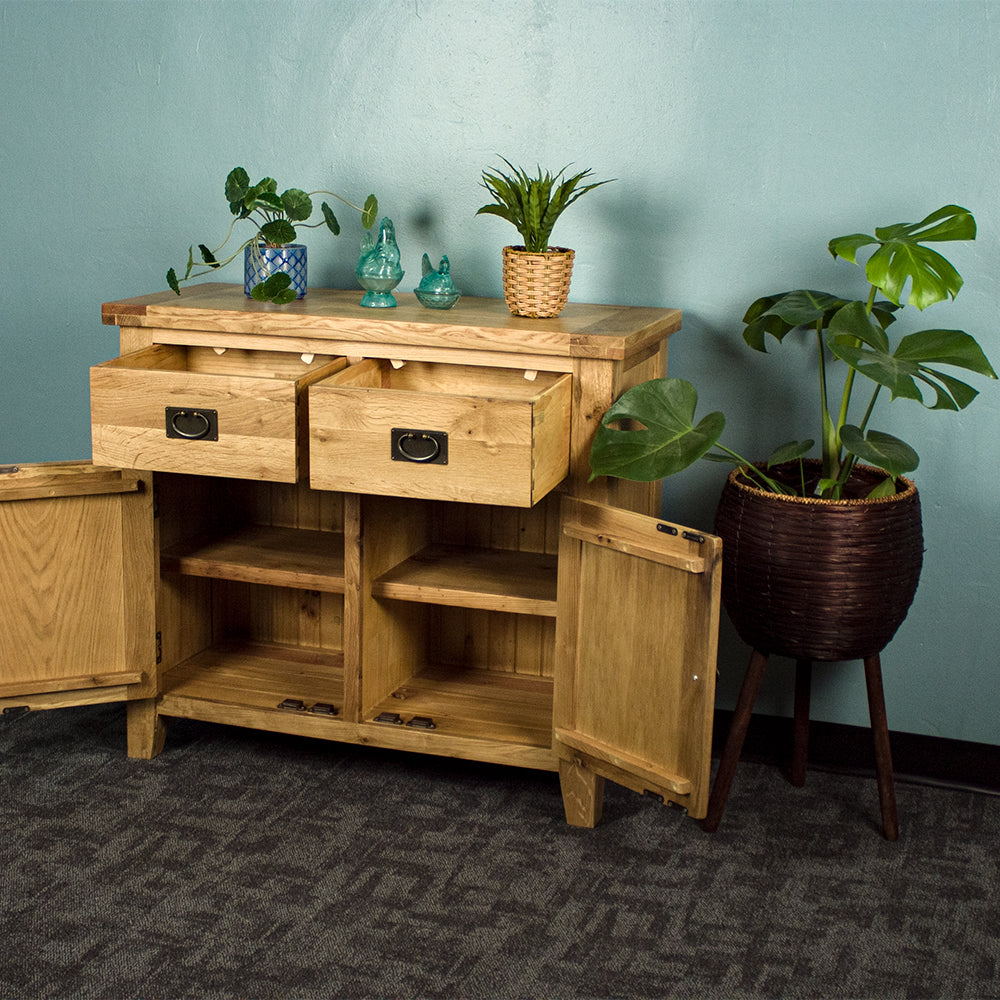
<point>586,331</point>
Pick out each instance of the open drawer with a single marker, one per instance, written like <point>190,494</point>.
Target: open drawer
<point>440,432</point>
<point>191,409</point>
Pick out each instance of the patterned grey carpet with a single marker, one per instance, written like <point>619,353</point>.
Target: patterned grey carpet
<point>245,865</point>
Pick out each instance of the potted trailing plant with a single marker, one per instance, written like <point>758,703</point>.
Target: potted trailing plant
<point>536,276</point>
<point>821,556</point>
<point>274,264</point>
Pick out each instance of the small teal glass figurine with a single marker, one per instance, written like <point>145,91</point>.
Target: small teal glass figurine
<point>378,270</point>
<point>436,289</point>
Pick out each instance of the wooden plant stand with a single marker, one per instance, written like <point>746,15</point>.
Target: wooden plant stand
<point>803,683</point>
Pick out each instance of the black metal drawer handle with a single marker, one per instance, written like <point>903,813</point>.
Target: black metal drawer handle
<point>426,447</point>
<point>192,424</point>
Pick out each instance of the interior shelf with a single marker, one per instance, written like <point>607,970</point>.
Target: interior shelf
<point>281,557</point>
<point>489,579</point>
<point>258,675</point>
<point>482,704</point>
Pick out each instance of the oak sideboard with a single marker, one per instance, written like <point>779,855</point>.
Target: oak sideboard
<point>370,526</point>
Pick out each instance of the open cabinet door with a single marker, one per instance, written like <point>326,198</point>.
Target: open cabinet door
<point>77,590</point>
<point>636,645</point>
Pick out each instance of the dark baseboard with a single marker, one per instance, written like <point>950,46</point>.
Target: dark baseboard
<point>848,749</point>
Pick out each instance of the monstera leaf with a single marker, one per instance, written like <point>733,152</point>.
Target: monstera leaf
<point>777,315</point>
<point>901,256</point>
<point>667,440</point>
<point>880,449</point>
<point>861,343</point>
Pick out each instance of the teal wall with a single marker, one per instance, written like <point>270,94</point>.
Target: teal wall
<point>743,135</point>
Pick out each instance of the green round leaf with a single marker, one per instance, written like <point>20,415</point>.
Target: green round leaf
<point>297,205</point>
<point>264,199</point>
<point>274,289</point>
<point>330,219</point>
<point>207,256</point>
<point>237,185</point>
<point>278,233</point>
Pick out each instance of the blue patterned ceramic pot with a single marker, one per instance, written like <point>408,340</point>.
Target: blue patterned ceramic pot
<point>259,263</point>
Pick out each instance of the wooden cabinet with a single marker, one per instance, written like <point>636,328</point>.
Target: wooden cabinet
<point>370,526</point>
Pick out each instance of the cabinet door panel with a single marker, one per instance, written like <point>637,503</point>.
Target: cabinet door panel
<point>637,636</point>
<point>76,580</point>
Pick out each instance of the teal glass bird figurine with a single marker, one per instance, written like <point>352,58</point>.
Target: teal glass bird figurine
<point>436,289</point>
<point>378,270</point>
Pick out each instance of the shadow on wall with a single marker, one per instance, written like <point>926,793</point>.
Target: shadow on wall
<point>630,216</point>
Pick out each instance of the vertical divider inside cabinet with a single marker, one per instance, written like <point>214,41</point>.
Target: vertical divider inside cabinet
<point>353,606</point>
<point>390,634</point>
<point>185,606</point>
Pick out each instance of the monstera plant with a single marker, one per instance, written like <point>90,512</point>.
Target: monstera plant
<point>650,431</point>
<point>821,557</point>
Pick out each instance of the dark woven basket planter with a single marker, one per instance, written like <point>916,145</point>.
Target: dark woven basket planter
<point>818,579</point>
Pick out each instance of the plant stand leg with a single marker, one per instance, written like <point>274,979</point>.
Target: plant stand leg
<point>734,741</point>
<point>883,753</point>
<point>800,729</point>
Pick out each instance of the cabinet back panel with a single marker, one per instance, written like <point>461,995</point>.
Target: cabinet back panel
<point>286,505</point>
<point>192,507</point>
<point>531,529</point>
<point>277,614</point>
<point>491,640</point>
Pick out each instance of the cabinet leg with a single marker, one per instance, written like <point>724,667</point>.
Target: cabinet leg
<point>582,792</point>
<point>883,753</point>
<point>145,729</point>
<point>734,742</point>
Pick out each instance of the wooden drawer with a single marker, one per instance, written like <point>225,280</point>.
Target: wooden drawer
<point>440,432</point>
<point>190,409</point>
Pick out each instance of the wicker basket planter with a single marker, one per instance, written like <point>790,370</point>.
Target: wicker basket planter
<point>536,284</point>
<point>819,579</point>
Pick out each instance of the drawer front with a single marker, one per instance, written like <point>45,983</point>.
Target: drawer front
<point>172,409</point>
<point>375,430</point>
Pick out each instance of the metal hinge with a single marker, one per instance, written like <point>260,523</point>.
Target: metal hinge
<point>159,647</point>
<point>691,536</point>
